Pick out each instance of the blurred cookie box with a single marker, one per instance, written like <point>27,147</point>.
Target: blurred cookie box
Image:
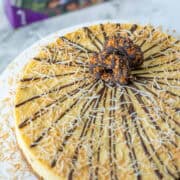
<point>23,12</point>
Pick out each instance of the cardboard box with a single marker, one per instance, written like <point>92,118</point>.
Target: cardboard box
<point>23,12</point>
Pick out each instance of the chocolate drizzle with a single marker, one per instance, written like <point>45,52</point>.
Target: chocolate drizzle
<point>156,44</point>
<point>160,64</point>
<point>133,28</point>
<point>159,54</point>
<point>46,131</point>
<point>100,134</point>
<point>132,111</point>
<point>95,41</point>
<point>146,151</point>
<point>45,109</point>
<point>103,32</point>
<point>111,133</point>
<point>91,157</point>
<point>85,108</point>
<point>46,77</point>
<point>77,45</point>
<point>84,132</point>
<point>145,39</point>
<point>128,140</point>
<point>62,63</point>
<point>53,90</point>
<point>36,141</point>
<point>147,111</point>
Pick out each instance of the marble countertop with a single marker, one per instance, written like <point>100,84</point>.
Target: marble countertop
<point>157,12</point>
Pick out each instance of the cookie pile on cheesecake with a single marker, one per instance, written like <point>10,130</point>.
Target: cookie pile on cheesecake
<point>102,102</point>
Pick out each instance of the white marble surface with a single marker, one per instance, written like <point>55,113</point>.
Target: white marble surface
<point>157,12</point>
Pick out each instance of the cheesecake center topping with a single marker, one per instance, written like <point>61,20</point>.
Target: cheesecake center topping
<point>114,63</point>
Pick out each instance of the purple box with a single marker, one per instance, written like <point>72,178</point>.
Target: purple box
<point>20,16</point>
<point>23,12</point>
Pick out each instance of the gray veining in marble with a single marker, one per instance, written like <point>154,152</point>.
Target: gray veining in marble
<point>157,12</point>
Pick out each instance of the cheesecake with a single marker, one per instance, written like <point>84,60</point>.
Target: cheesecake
<point>102,102</point>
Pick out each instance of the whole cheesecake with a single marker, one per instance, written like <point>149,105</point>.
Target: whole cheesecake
<point>102,102</point>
